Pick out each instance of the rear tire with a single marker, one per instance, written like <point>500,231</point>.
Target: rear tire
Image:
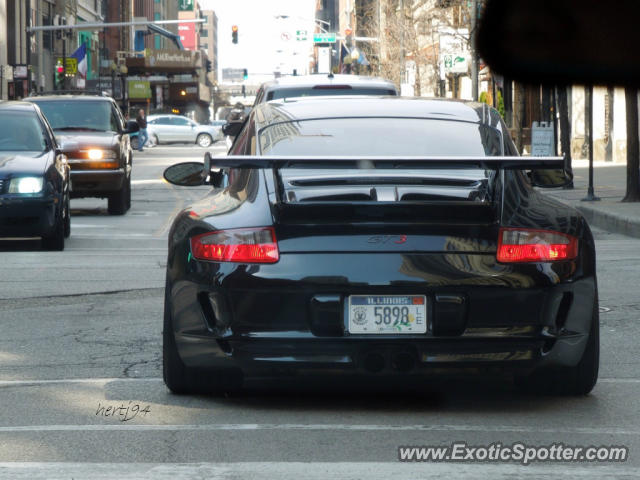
<point>577,380</point>
<point>118,202</point>
<point>181,379</point>
<point>204,140</point>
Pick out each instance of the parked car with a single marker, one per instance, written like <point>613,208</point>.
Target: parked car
<point>34,177</point>
<point>168,128</point>
<point>101,157</point>
<point>423,247</point>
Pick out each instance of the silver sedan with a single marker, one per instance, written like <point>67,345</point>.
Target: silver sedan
<point>178,129</point>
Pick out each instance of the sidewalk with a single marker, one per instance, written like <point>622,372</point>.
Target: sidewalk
<point>609,182</point>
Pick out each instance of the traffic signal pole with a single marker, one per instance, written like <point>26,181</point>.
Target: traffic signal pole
<point>64,62</point>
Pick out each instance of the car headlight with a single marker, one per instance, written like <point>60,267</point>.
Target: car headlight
<point>26,185</point>
<point>99,154</point>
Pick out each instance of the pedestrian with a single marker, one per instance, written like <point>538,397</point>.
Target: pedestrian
<point>142,134</point>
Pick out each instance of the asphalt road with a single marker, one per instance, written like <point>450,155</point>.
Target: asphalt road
<point>81,332</point>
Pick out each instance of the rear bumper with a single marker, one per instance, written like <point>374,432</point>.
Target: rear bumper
<point>96,183</point>
<point>274,356</point>
<point>31,216</point>
<point>282,318</point>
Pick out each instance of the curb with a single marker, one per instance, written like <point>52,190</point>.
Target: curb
<point>611,222</point>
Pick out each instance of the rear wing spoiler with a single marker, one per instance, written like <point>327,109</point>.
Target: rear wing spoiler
<point>212,165</point>
<point>343,162</point>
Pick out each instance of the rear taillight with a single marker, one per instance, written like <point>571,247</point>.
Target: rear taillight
<point>249,245</point>
<point>525,245</point>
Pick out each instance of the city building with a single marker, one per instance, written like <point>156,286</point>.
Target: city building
<point>209,43</point>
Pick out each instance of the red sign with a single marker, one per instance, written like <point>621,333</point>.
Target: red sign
<point>187,33</point>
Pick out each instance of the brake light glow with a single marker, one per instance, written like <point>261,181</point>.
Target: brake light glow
<point>250,245</point>
<point>517,245</point>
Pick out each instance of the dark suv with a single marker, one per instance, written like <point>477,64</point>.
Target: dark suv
<point>97,146</point>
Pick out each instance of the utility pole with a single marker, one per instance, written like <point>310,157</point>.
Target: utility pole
<point>402,53</point>
<point>474,54</point>
<point>28,35</point>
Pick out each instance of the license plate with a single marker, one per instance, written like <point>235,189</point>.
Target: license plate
<point>387,314</point>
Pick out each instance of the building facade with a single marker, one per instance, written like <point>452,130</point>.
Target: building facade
<point>209,43</point>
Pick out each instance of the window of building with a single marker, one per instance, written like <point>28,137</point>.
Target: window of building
<point>204,32</point>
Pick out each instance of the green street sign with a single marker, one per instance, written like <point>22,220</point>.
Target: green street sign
<point>324,38</point>
<point>185,5</point>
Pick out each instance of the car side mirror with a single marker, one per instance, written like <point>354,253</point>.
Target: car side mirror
<point>551,178</point>
<point>232,129</point>
<point>186,174</point>
<point>131,127</point>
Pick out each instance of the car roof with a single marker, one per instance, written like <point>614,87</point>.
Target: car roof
<point>17,105</point>
<point>49,98</point>
<point>331,79</point>
<point>327,107</point>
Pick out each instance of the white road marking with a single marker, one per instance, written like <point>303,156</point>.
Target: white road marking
<point>619,380</point>
<point>330,427</point>
<point>10,383</point>
<point>306,470</point>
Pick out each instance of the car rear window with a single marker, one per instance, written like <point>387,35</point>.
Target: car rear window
<point>322,90</point>
<point>380,137</point>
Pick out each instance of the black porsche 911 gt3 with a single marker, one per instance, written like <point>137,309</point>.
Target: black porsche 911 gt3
<point>378,238</point>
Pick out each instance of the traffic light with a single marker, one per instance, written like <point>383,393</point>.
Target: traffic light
<point>234,34</point>
<point>59,75</point>
<point>245,74</point>
<point>348,36</point>
<point>208,66</point>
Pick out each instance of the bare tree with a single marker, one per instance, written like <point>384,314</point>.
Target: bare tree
<point>633,148</point>
<point>409,30</point>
